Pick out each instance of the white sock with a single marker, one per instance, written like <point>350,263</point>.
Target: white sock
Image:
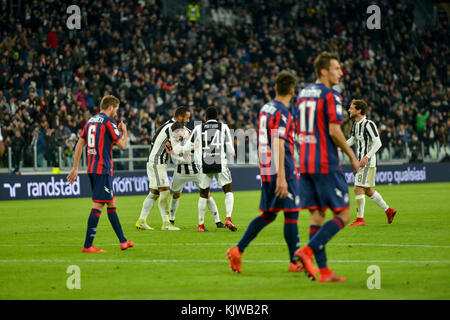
<point>229,201</point>
<point>360,203</point>
<point>201,210</point>
<point>213,208</point>
<point>379,201</point>
<point>148,204</point>
<point>163,205</point>
<point>173,208</point>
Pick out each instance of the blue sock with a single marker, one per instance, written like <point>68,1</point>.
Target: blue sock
<point>291,232</point>
<point>255,226</point>
<point>114,219</point>
<point>92,227</point>
<point>326,232</point>
<point>321,256</point>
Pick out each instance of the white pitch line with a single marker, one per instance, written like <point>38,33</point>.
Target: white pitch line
<point>202,261</point>
<point>229,244</point>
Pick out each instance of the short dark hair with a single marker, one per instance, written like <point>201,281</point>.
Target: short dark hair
<point>322,61</point>
<point>284,82</point>
<point>211,113</point>
<point>177,125</point>
<point>181,111</point>
<point>360,105</point>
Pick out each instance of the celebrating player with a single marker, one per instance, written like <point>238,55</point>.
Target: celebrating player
<point>279,175</point>
<point>185,171</point>
<point>322,182</point>
<point>157,173</point>
<point>100,133</point>
<point>365,134</point>
<point>212,141</point>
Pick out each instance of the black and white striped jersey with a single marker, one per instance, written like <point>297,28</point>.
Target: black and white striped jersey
<point>365,134</point>
<point>184,163</point>
<point>212,141</point>
<point>158,153</point>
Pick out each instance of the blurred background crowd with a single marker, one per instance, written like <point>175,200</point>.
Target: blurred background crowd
<point>52,78</point>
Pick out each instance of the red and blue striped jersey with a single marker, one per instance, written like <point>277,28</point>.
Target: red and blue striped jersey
<point>275,120</point>
<point>318,106</point>
<point>100,133</point>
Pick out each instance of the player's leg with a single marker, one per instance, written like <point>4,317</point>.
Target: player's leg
<point>212,206</point>
<point>202,203</point>
<point>150,200</point>
<point>178,183</point>
<point>267,205</point>
<point>360,202</point>
<point>99,197</point>
<point>94,217</point>
<point>229,204</point>
<point>174,206</point>
<point>361,183</point>
<point>331,191</point>
<point>115,223</point>
<point>204,182</point>
<point>292,238</point>
<point>163,184</point>
<point>378,199</point>
<point>147,207</point>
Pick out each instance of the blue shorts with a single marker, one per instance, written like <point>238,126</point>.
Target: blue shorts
<point>323,191</point>
<point>270,202</point>
<point>102,187</point>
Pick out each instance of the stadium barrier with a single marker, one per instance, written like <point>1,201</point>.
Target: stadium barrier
<point>25,187</point>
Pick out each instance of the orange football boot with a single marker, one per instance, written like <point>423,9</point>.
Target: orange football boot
<point>390,213</point>
<point>126,245</point>
<point>358,222</point>
<point>304,255</point>
<point>235,257</point>
<point>92,249</point>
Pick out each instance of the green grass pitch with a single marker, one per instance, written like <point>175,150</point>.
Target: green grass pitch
<point>40,239</point>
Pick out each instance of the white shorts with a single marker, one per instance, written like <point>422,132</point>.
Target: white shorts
<point>157,176</point>
<point>180,180</point>
<point>365,177</point>
<point>223,178</point>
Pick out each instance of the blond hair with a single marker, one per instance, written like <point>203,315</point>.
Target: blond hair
<point>107,101</point>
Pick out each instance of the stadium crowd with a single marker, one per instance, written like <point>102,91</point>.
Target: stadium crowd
<point>52,78</point>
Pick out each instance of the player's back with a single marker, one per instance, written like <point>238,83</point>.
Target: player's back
<point>275,120</point>
<point>318,106</point>
<point>213,142</point>
<point>158,153</point>
<point>100,133</point>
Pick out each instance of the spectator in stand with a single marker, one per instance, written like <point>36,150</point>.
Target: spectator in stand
<point>17,144</point>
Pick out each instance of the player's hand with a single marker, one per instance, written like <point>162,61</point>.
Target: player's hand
<point>355,164</point>
<point>363,162</point>
<point>169,148</point>
<point>72,176</point>
<point>281,189</point>
<point>122,127</point>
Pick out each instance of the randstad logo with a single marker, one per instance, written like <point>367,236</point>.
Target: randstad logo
<point>53,188</point>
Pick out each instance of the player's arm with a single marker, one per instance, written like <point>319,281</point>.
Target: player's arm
<point>376,144</point>
<point>351,141</point>
<point>76,160</point>
<point>229,142</point>
<point>122,142</point>
<point>281,189</point>
<point>338,138</point>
